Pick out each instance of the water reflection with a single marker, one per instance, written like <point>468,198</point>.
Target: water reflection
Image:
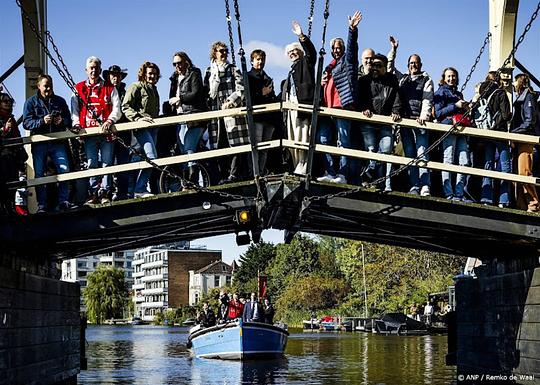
<point>158,355</point>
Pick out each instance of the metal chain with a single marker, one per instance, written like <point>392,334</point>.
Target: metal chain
<point>310,18</point>
<point>71,84</point>
<point>486,42</point>
<point>60,58</point>
<point>229,27</point>
<point>453,128</point>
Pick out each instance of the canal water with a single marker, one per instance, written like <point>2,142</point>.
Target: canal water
<point>158,355</point>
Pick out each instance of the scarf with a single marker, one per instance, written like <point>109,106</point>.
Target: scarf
<point>217,71</point>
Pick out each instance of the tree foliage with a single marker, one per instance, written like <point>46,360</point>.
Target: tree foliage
<point>254,260</point>
<point>106,294</point>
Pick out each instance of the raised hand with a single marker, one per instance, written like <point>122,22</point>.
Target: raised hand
<point>296,29</point>
<point>394,42</point>
<point>354,20</point>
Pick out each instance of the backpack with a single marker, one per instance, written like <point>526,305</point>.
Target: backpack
<point>483,116</point>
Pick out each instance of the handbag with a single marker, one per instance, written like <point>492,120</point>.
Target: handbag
<point>465,121</point>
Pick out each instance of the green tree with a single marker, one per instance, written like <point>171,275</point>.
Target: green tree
<point>106,294</point>
<point>254,260</point>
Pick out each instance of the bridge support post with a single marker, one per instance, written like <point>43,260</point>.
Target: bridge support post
<point>39,323</point>
<point>498,318</point>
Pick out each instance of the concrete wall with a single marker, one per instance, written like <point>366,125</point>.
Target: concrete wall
<point>498,322</point>
<point>39,327</point>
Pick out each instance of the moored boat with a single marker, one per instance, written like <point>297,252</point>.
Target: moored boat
<point>312,324</point>
<point>238,340</point>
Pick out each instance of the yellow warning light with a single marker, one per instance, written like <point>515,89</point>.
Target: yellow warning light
<point>243,216</point>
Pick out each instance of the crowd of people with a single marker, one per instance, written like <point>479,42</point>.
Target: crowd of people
<point>232,307</point>
<point>371,85</point>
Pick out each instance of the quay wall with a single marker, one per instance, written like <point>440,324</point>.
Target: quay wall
<point>498,322</point>
<point>40,328</point>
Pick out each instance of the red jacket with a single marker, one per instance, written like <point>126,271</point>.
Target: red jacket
<point>99,99</point>
<point>236,308</point>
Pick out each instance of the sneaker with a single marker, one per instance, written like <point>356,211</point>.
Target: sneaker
<point>532,210</point>
<point>104,200</point>
<point>41,210</point>
<point>65,206</point>
<point>145,194</point>
<point>414,191</point>
<point>455,198</point>
<point>325,178</point>
<point>503,205</point>
<point>92,200</point>
<point>340,179</point>
<point>387,189</point>
<point>425,191</point>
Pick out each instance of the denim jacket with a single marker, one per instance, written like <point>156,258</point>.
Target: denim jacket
<point>36,108</point>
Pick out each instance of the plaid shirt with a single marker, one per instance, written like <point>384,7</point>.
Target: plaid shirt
<point>231,89</point>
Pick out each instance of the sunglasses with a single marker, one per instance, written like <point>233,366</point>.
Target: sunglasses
<point>223,51</point>
<point>377,65</point>
<point>177,63</point>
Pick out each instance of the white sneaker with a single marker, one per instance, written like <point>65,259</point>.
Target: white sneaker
<point>325,178</point>
<point>425,192</point>
<point>143,195</point>
<point>340,179</point>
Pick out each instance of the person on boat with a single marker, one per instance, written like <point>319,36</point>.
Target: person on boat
<point>261,88</point>
<point>96,104</point>
<point>378,94</point>
<point>114,76</point>
<point>11,158</point>
<point>45,113</point>
<point>226,90</point>
<point>187,95</point>
<point>523,122</point>
<point>299,87</point>
<point>416,93</point>
<point>429,310</point>
<point>141,104</point>
<point>206,317</point>
<point>268,311</point>
<point>253,311</point>
<point>223,306</point>
<point>339,91</point>
<point>236,308</point>
<point>449,108</point>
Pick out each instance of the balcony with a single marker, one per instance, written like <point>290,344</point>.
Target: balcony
<point>137,262</point>
<point>138,274</point>
<point>157,290</point>
<point>155,304</point>
<point>138,286</point>
<point>157,277</point>
<point>149,265</point>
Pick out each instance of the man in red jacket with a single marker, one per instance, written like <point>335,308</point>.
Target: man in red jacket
<point>97,105</point>
<point>236,308</point>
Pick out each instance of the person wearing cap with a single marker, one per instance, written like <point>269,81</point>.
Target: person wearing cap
<point>299,87</point>
<point>114,76</point>
<point>96,105</point>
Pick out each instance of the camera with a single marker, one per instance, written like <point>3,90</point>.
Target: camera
<point>54,114</point>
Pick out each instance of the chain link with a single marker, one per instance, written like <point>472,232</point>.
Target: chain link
<point>454,128</point>
<point>310,18</point>
<point>486,42</point>
<point>230,28</point>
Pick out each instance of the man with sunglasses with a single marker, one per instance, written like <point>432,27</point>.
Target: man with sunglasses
<point>378,94</point>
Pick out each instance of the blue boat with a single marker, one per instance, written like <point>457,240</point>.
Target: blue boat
<point>238,340</point>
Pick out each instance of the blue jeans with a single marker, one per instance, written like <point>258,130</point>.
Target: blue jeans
<point>379,139</point>
<point>415,141</point>
<point>452,145</point>
<point>325,135</point>
<point>98,149</point>
<point>504,160</point>
<point>57,152</point>
<point>188,139</point>
<point>147,140</point>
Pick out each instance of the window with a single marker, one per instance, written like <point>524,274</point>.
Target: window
<point>216,280</point>
<point>228,280</point>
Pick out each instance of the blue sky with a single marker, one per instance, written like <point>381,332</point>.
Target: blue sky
<point>127,33</point>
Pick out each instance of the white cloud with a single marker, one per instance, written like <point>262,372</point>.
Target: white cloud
<point>275,54</point>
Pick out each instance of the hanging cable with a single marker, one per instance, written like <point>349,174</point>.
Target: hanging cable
<point>453,129</point>
<point>310,17</point>
<point>486,42</point>
<point>229,27</point>
<point>317,97</point>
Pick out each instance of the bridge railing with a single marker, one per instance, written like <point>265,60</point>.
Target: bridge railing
<point>284,143</point>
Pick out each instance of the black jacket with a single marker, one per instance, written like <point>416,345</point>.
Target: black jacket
<point>379,95</point>
<point>192,93</point>
<point>499,103</point>
<point>303,73</point>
